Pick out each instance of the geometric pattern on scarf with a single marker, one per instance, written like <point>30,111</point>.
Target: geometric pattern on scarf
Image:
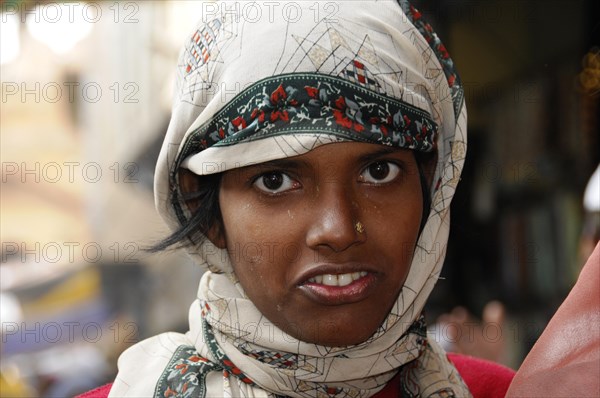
<point>429,366</point>
<point>452,150</point>
<point>426,30</point>
<point>185,374</point>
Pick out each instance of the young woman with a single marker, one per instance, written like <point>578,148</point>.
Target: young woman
<point>309,164</point>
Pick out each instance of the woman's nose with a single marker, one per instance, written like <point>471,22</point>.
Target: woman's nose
<point>334,221</point>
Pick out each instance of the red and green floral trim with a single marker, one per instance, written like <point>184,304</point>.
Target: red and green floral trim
<point>223,360</point>
<point>313,103</point>
<point>185,374</point>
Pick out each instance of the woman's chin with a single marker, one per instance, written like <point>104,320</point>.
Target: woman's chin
<point>332,334</point>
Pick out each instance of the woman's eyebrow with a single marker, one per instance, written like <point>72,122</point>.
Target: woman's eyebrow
<point>377,154</point>
<point>292,164</point>
<point>295,164</point>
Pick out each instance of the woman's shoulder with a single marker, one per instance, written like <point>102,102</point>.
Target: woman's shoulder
<point>485,379</point>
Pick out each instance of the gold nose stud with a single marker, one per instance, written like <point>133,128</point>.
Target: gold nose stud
<point>359,227</point>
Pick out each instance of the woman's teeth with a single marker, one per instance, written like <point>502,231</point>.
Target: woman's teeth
<point>337,280</point>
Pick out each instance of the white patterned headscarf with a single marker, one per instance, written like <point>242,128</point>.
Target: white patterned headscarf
<point>255,86</point>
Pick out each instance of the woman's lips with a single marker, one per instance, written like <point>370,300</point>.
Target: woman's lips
<point>338,289</point>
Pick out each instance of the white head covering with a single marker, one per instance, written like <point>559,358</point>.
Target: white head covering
<point>249,91</point>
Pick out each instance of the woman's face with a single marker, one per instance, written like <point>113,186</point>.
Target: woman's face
<point>322,243</point>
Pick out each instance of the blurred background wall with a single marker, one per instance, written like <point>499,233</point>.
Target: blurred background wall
<point>86,89</point>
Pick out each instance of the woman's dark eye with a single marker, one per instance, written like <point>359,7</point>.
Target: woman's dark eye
<point>274,182</point>
<point>380,173</point>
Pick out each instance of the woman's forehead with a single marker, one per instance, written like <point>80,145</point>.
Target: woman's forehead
<point>352,152</point>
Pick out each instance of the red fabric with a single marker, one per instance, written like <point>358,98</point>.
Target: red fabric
<point>390,390</point>
<point>485,379</point>
<point>100,392</point>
